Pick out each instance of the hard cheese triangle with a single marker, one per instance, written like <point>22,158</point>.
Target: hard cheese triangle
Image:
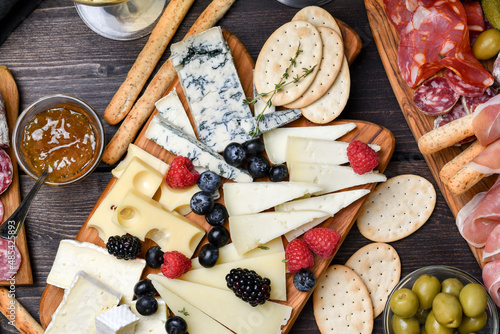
<point>226,308</point>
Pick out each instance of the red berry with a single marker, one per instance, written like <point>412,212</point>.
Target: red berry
<point>298,256</point>
<point>362,157</point>
<point>322,241</point>
<point>175,264</point>
<point>181,173</point>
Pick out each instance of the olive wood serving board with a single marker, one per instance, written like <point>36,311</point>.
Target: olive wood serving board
<point>11,198</point>
<point>342,222</point>
<point>387,41</point>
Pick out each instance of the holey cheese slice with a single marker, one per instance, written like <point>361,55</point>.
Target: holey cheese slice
<point>250,231</point>
<point>332,177</point>
<point>245,198</point>
<point>134,151</point>
<point>224,307</point>
<point>331,203</point>
<point>275,141</point>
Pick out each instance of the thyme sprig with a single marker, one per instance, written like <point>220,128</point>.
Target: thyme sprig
<point>278,88</point>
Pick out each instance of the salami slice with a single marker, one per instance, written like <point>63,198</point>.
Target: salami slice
<point>435,97</point>
<point>456,112</point>
<point>10,259</point>
<point>461,87</point>
<point>470,103</point>
<point>474,13</point>
<point>6,171</point>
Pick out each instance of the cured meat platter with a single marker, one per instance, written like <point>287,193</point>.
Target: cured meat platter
<point>342,221</point>
<point>387,41</point>
<point>11,198</point>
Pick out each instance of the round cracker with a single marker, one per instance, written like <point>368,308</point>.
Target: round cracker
<point>397,208</point>
<point>331,63</point>
<point>330,105</point>
<point>342,303</point>
<point>379,267</point>
<point>319,17</point>
<point>274,59</point>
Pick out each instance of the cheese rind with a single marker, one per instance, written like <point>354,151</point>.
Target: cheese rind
<point>118,320</point>
<point>74,256</point>
<point>171,109</point>
<point>84,299</point>
<point>246,198</point>
<point>250,231</point>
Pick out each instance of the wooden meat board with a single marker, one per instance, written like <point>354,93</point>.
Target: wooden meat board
<point>342,222</point>
<point>387,41</point>
<point>11,198</point>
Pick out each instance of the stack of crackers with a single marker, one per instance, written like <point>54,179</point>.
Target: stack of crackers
<point>321,95</point>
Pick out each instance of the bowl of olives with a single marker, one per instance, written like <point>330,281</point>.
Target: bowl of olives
<point>440,300</point>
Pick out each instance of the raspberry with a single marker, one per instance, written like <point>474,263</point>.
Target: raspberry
<point>175,264</point>
<point>298,256</point>
<point>322,241</point>
<point>362,157</point>
<point>181,173</point>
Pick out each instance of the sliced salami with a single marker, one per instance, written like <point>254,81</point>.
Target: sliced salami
<point>474,13</point>
<point>10,259</point>
<point>435,97</point>
<point>6,171</point>
<point>456,112</point>
<point>470,103</point>
<point>461,87</point>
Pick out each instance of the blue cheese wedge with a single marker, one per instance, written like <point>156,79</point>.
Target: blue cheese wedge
<point>118,320</point>
<point>177,142</point>
<point>84,300</point>
<point>171,109</point>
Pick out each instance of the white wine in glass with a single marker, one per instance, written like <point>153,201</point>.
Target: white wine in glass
<point>121,20</point>
<point>304,3</point>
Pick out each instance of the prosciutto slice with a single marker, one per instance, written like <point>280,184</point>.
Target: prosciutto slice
<point>486,122</point>
<point>478,218</point>
<point>487,162</point>
<point>491,280</point>
<point>491,250</point>
<point>433,35</point>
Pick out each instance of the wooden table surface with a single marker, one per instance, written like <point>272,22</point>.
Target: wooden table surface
<point>53,51</point>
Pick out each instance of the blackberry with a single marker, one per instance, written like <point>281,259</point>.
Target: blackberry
<point>249,286</point>
<point>124,247</point>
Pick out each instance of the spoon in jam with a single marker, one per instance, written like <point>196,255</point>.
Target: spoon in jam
<point>11,228</point>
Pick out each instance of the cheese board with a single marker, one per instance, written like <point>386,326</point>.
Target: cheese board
<point>11,198</point>
<point>342,222</point>
<point>387,41</point>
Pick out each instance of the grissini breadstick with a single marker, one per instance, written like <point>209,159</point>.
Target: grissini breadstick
<point>157,87</point>
<point>446,135</point>
<point>464,180</point>
<point>454,166</point>
<point>17,314</point>
<point>162,34</point>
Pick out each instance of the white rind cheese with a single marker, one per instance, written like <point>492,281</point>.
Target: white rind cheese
<point>84,299</point>
<point>332,177</point>
<point>250,231</point>
<point>275,141</point>
<point>118,320</point>
<point>246,198</point>
<point>171,109</point>
<point>73,256</point>
<point>226,308</point>
<point>177,142</point>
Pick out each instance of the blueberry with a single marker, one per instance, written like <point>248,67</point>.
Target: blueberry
<point>201,203</point>
<point>304,280</point>
<point>209,254</point>
<point>146,305</point>
<point>218,236</point>
<point>144,288</point>
<point>217,216</point>
<point>278,173</point>
<point>253,147</point>
<point>154,257</point>
<point>176,325</point>
<point>234,154</point>
<point>258,166</point>
<point>209,181</point>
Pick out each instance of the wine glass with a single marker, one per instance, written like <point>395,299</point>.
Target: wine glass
<point>304,3</point>
<point>121,20</point>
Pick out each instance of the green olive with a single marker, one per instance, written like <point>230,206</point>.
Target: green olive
<point>434,327</point>
<point>426,287</point>
<point>471,325</point>
<point>422,315</point>
<point>473,298</point>
<point>487,44</point>
<point>405,325</point>
<point>404,303</point>
<point>452,286</point>
<point>447,310</point>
